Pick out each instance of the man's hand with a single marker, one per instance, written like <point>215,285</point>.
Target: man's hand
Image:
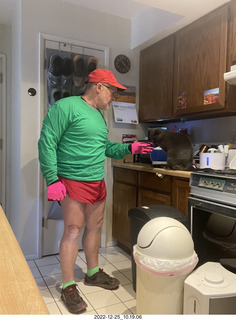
<point>56,191</point>
<point>141,148</point>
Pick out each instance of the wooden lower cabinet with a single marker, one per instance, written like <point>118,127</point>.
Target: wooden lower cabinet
<point>124,199</point>
<point>180,194</point>
<point>133,189</point>
<point>147,198</point>
<point>151,181</point>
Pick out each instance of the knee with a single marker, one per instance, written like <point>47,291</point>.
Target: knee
<point>73,231</point>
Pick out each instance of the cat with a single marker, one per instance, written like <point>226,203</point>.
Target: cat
<point>177,146</point>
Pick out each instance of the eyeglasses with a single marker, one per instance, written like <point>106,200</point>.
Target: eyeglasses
<point>114,92</point>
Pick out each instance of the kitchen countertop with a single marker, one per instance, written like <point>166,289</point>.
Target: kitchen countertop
<point>149,168</point>
<point>19,293</point>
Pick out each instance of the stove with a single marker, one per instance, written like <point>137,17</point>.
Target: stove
<point>226,171</point>
<point>212,216</point>
<point>219,186</point>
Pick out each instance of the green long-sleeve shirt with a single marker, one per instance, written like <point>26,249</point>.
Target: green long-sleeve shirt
<point>73,142</point>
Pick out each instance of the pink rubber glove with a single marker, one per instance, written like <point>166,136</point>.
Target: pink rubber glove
<point>141,148</point>
<point>56,191</point>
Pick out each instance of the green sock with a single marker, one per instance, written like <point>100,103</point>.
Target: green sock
<point>67,284</point>
<point>91,272</point>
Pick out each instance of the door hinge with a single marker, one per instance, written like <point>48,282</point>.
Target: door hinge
<point>1,144</point>
<point>1,78</point>
<point>42,221</point>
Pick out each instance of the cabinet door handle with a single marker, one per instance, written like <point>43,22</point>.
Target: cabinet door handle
<point>160,175</point>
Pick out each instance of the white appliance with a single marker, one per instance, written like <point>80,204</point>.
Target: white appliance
<point>210,289</point>
<point>214,161</point>
<point>230,76</point>
<point>231,159</point>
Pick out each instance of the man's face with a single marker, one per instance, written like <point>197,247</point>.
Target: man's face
<point>107,94</point>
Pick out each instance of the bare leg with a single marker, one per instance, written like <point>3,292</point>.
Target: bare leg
<point>92,233</point>
<point>73,214</point>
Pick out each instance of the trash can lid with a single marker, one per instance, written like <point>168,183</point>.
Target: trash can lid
<point>166,239</point>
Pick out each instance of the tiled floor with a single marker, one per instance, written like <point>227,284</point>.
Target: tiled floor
<point>112,260</point>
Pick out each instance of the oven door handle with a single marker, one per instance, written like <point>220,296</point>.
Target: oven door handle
<point>211,206</point>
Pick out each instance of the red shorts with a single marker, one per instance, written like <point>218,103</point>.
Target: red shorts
<point>85,191</point>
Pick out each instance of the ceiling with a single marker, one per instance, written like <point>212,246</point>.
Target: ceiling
<point>159,17</point>
<point>132,8</point>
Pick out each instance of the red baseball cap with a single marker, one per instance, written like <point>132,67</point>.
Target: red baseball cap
<point>104,76</point>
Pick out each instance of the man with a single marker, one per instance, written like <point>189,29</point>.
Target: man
<point>72,148</point>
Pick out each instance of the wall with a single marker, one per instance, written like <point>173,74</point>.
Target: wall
<point>5,48</point>
<point>216,130</point>
<point>71,22</point>
<point>5,36</point>
<point>220,130</point>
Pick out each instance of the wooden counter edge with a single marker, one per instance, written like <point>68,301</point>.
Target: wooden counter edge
<point>19,292</point>
<point>149,168</point>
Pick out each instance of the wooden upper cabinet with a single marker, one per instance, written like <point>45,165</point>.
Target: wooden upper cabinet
<point>199,64</point>
<point>231,57</point>
<point>232,35</point>
<point>156,76</point>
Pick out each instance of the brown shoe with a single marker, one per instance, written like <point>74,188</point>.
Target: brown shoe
<point>72,300</point>
<point>103,280</point>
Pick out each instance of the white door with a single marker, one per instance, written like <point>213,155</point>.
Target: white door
<point>2,130</point>
<point>53,226</point>
<point>52,229</point>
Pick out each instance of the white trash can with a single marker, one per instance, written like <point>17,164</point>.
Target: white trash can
<point>165,256</point>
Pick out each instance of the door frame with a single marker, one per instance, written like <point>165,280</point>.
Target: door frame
<point>3,134</point>
<point>43,37</point>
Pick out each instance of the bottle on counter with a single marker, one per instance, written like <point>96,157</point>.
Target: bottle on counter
<point>232,145</point>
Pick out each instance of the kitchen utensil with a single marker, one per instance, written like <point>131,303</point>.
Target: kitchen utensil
<point>202,149</point>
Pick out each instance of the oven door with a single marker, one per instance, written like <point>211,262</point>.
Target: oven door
<point>213,229</point>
